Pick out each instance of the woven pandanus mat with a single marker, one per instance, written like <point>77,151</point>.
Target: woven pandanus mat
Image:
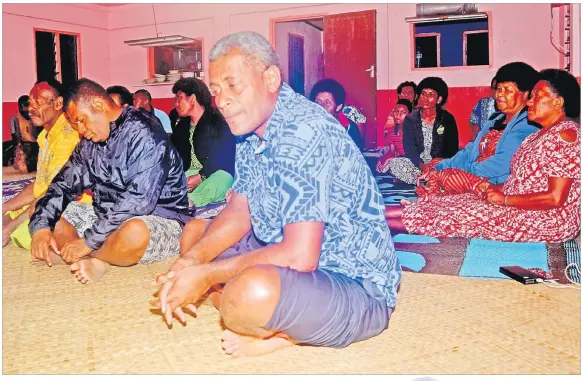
<point>442,325</point>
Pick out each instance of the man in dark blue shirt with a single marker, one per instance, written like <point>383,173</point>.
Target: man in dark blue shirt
<point>138,184</point>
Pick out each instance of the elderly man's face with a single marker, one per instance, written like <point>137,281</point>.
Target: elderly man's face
<point>244,92</point>
<point>45,106</point>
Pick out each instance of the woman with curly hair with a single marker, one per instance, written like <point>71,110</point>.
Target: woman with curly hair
<point>541,199</point>
<point>429,133</point>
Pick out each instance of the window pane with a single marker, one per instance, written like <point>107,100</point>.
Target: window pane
<point>453,42</point>
<point>69,72</point>
<point>46,63</point>
<point>186,57</point>
<point>477,50</point>
<point>426,51</point>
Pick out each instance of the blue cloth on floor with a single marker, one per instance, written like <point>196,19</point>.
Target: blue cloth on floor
<point>484,258</point>
<point>414,238</point>
<point>414,261</point>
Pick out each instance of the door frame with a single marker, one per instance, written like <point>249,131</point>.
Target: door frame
<point>274,20</point>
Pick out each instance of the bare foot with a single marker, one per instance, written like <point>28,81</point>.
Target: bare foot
<point>89,270</point>
<point>243,346</point>
<point>55,260</point>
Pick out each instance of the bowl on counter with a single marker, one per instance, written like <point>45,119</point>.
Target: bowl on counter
<point>171,72</point>
<point>187,74</point>
<point>149,81</point>
<point>160,79</point>
<point>173,78</point>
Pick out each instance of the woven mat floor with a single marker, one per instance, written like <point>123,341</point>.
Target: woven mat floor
<point>443,325</point>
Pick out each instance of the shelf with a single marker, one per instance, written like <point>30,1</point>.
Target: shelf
<point>154,84</point>
<point>166,83</point>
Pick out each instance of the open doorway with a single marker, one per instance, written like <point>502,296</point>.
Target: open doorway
<point>339,46</point>
<point>300,46</point>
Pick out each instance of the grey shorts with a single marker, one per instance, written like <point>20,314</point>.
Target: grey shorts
<point>322,308</point>
<point>164,233</point>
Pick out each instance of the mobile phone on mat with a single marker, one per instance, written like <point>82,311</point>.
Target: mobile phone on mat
<point>519,274</point>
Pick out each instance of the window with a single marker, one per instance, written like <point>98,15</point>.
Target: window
<point>56,56</point>
<point>451,43</point>
<point>186,57</point>
<point>476,48</point>
<point>427,50</point>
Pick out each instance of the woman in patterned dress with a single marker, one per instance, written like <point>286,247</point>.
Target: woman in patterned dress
<point>488,156</point>
<point>429,133</point>
<point>540,201</point>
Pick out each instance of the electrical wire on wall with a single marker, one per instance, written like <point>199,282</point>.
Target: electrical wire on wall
<point>566,49</point>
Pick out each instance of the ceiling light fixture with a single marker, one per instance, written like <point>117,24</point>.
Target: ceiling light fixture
<point>158,40</point>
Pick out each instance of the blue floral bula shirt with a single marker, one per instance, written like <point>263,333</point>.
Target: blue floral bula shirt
<point>307,168</point>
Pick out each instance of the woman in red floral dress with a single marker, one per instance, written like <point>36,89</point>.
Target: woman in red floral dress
<point>541,198</point>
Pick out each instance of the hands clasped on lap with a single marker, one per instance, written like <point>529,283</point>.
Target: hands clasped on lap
<point>181,287</point>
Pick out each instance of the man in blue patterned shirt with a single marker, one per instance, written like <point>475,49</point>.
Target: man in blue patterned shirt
<point>326,273</point>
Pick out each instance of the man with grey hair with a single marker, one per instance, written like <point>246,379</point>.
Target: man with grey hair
<point>302,247</point>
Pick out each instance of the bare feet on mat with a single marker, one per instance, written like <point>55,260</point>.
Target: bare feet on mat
<point>246,346</point>
<point>56,259</point>
<point>89,270</point>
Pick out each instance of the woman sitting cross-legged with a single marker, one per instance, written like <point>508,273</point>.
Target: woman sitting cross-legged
<point>541,199</point>
<point>429,133</point>
<point>204,141</point>
<point>488,156</point>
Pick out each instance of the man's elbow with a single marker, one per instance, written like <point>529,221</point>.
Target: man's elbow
<point>304,266</point>
<point>301,261</point>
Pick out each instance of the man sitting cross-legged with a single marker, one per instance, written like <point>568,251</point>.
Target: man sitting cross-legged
<point>328,273</point>
<point>56,143</point>
<point>139,191</point>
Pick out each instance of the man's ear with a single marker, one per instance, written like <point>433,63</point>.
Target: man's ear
<point>97,104</point>
<point>59,103</point>
<point>272,76</point>
<point>339,107</point>
<point>439,99</point>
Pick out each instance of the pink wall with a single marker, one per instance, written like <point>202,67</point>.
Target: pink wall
<point>513,32</point>
<point>107,59</point>
<point>519,32</point>
<point>18,21</point>
<point>313,69</point>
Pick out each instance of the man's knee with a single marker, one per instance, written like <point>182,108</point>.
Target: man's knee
<point>194,228</point>
<point>134,235</point>
<point>192,232</point>
<point>251,298</point>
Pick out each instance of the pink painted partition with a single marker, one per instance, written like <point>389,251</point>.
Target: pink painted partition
<point>519,32</point>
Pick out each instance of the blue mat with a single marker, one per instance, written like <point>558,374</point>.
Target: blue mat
<point>413,238</point>
<point>484,258</point>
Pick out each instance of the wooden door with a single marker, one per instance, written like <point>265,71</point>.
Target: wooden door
<point>350,58</point>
